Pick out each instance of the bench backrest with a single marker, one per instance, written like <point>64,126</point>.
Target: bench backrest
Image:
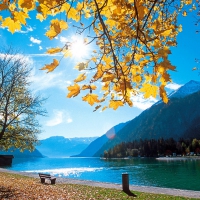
<point>45,175</point>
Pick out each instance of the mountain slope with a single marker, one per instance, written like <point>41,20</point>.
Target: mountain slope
<point>179,118</point>
<point>26,154</point>
<point>99,142</point>
<point>58,146</point>
<point>189,88</point>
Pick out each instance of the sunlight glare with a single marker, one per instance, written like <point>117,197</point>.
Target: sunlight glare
<point>78,48</point>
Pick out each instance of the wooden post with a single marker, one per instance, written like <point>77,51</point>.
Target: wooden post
<point>125,182</point>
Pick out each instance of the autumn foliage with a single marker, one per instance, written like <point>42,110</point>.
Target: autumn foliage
<point>133,40</point>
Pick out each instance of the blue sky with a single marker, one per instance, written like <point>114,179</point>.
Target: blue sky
<point>73,117</point>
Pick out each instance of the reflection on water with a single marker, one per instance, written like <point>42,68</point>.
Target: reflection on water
<point>180,174</point>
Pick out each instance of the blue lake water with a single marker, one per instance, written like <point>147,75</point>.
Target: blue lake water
<point>181,174</point>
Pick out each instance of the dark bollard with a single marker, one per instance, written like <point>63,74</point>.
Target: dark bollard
<point>125,182</point>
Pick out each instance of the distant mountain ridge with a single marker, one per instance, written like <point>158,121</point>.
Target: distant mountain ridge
<point>187,89</point>
<point>99,142</point>
<point>26,154</point>
<point>179,118</point>
<point>59,146</point>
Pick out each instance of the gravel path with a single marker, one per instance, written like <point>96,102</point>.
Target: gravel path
<point>156,190</point>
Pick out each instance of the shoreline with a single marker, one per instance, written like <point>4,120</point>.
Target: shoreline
<point>179,158</point>
<point>146,189</point>
<point>157,158</point>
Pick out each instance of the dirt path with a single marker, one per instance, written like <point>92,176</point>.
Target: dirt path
<point>156,190</point>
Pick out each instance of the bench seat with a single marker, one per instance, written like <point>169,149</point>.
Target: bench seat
<point>47,176</point>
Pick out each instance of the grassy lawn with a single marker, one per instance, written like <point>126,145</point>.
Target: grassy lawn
<point>19,187</point>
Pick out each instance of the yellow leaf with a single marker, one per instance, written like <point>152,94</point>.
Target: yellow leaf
<point>165,78</point>
<point>27,4</point>
<point>3,6</point>
<point>40,17</point>
<point>79,6</point>
<point>54,50</point>
<point>104,108</point>
<point>11,24</point>
<point>180,28</point>
<point>163,94</point>
<point>167,65</point>
<point>108,77</point>
<point>81,66</point>
<point>154,78</point>
<point>91,87</point>
<point>130,103</point>
<point>194,68</point>
<point>85,87</point>
<point>91,98</point>
<point>94,59</point>
<point>73,90</point>
<point>149,90</point>
<point>12,7</point>
<point>188,2</point>
<point>55,28</point>
<point>137,78</point>
<point>163,32</point>
<point>184,13</point>
<point>73,14</point>
<point>81,77</point>
<point>21,17</point>
<point>96,108</point>
<point>111,22</point>
<point>115,104</point>
<point>164,52</point>
<point>137,57</point>
<point>52,66</point>
<point>105,86</point>
<point>148,78</point>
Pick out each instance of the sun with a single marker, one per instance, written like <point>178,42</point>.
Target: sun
<point>79,48</point>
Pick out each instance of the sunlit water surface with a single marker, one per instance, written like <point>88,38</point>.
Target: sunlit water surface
<point>181,174</point>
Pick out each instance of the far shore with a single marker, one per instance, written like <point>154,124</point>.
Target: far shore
<point>161,158</point>
<point>179,158</point>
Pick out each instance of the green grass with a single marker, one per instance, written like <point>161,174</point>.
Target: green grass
<point>15,186</point>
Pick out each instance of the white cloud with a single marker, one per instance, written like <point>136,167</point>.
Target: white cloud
<point>34,40</point>
<point>173,86</point>
<point>140,102</point>
<point>43,81</point>
<point>21,57</point>
<point>59,116</point>
<point>69,120</point>
<point>40,48</point>
<point>42,54</point>
<point>63,39</point>
<point>28,29</point>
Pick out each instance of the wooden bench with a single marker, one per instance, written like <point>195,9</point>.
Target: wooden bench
<point>47,176</point>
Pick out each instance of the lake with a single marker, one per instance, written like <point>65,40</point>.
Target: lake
<point>180,174</point>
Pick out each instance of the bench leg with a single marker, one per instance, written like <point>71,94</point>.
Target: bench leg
<point>42,180</point>
<point>53,181</point>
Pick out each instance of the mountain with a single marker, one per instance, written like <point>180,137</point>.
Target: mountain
<point>189,88</point>
<point>26,154</point>
<point>58,146</point>
<point>99,142</point>
<point>179,118</point>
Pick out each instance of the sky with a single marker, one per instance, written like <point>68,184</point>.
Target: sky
<point>71,117</point>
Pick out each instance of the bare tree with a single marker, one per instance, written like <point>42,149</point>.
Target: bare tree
<point>19,107</point>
